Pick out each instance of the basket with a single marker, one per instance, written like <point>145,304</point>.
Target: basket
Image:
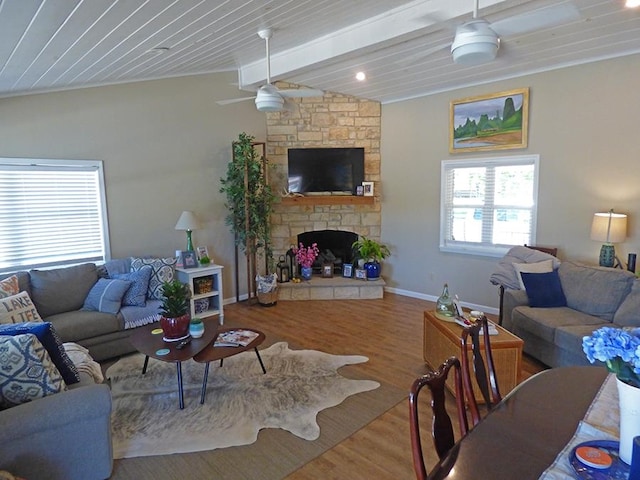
<point>201,305</point>
<point>268,299</point>
<point>203,284</point>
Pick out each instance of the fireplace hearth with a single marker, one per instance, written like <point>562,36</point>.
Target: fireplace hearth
<point>334,246</point>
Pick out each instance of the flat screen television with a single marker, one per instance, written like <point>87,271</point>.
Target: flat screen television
<point>325,170</point>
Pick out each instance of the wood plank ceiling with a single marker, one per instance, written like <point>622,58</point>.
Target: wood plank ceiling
<point>402,46</point>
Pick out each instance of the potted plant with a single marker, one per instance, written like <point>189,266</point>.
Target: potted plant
<point>371,252</point>
<point>175,310</point>
<point>250,202</point>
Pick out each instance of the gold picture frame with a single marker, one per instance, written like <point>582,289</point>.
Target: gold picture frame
<point>499,121</point>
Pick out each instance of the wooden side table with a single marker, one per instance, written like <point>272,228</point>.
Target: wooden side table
<point>442,340</point>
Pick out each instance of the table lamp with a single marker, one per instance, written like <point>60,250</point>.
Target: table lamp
<point>609,228</point>
<point>188,222</point>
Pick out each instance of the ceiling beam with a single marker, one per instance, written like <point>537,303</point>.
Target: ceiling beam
<point>387,28</point>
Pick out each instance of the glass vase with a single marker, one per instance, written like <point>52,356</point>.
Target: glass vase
<point>444,305</point>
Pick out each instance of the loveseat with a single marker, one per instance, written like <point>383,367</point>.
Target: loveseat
<point>593,297</point>
<point>61,296</point>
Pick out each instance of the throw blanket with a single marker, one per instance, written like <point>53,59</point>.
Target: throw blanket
<point>83,361</point>
<point>505,274</point>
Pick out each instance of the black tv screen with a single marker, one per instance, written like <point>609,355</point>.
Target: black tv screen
<point>322,170</point>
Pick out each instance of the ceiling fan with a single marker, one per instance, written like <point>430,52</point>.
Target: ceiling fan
<point>477,41</point>
<point>270,98</point>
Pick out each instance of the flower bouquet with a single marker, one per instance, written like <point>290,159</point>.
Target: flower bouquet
<point>305,256</point>
<point>619,349</point>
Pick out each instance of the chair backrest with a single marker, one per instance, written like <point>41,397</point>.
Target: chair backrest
<point>442,427</point>
<point>484,374</point>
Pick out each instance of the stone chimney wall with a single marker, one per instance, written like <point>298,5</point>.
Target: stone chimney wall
<point>335,120</point>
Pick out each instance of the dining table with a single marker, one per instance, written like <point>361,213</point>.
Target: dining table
<point>522,436</point>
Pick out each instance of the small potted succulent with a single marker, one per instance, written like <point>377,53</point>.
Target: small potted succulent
<point>175,310</point>
<point>371,252</point>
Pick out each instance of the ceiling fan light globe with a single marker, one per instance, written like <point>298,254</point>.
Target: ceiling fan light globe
<point>475,43</point>
<point>269,102</point>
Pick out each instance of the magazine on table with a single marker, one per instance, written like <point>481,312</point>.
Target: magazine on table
<point>235,338</point>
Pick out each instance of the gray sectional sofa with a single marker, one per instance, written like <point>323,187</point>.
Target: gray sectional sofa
<point>59,295</point>
<point>595,297</point>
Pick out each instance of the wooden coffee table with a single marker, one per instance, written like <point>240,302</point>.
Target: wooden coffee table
<point>211,354</point>
<point>442,340</point>
<point>152,345</point>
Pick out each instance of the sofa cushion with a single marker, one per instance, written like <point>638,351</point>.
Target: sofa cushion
<point>82,324</point>
<point>569,337</point>
<point>26,371</point>
<point>544,289</point>
<point>539,267</point>
<point>628,314</point>
<point>163,270</point>
<point>598,291</point>
<point>9,286</point>
<point>106,295</point>
<point>543,322</point>
<point>136,295</point>
<point>62,289</point>
<point>17,309</point>
<point>49,338</point>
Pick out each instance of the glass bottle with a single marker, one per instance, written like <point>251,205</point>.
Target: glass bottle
<point>444,305</point>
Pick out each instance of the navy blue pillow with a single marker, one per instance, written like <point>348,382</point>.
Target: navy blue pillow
<point>136,295</point>
<point>544,289</point>
<point>49,339</point>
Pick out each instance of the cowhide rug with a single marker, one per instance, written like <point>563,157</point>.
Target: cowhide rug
<point>240,399</point>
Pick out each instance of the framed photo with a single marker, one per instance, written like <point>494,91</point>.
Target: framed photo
<point>202,252</point>
<point>347,270</point>
<point>359,190</point>
<point>361,274</point>
<point>368,189</point>
<point>327,270</point>
<point>489,122</point>
<point>189,259</point>
<point>458,307</point>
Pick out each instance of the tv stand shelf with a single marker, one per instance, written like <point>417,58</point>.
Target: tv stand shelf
<point>328,200</point>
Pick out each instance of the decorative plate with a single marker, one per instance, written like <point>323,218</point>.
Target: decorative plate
<point>617,471</point>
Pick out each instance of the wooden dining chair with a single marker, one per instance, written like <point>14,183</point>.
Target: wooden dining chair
<point>484,373</point>
<point>442,427</point>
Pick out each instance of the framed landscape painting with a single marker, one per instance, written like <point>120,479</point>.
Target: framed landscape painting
<point>489,122</point>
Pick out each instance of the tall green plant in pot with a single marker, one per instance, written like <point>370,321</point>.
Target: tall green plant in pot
<point>175,310</point>
<point>250,202</point>
<point>371,252</point>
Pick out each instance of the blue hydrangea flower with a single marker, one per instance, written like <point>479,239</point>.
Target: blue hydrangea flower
<point>619,349</point>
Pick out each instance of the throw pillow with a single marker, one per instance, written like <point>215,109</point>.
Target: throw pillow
<point>48,337</point>
<point>9,286</point>
<point>545,266</point>
<point>136,295</point>
<point>17,309</point>
<point>106,295</point>
<point>544,289</point>
<point>162,270</point>
<point>26,371</point>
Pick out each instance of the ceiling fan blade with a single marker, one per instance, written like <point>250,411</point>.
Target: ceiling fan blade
<point>545,17</point>
<point>301,93</point>
<point>234,100</point>
<point>411,59</point>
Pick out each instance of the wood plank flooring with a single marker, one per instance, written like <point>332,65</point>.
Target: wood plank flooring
<point>389,331</point>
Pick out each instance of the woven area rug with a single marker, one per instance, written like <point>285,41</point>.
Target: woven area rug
<point>240,401</point>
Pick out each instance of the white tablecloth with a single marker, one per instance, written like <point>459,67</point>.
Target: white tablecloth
<point>601,422</point>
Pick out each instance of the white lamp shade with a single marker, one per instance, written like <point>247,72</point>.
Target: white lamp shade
<point>609,227</point>
<point>187,221</point>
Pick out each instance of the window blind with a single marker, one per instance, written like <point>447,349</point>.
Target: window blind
<point>488,205</point>
<point>51,213</point>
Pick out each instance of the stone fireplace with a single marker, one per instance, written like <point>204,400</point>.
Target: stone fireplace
<point>335,120</point>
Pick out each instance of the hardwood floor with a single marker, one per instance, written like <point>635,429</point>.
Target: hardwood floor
<point>389,331</point>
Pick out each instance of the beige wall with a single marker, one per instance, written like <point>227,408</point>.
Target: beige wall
<point>583,123</point>
<point>165,144</point>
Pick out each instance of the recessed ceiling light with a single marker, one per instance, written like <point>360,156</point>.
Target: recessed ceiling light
<point>361,77</point>
<point>632,4</point>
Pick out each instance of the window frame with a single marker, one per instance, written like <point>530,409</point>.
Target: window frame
<point>61,165</point>
<point>474,248</point>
